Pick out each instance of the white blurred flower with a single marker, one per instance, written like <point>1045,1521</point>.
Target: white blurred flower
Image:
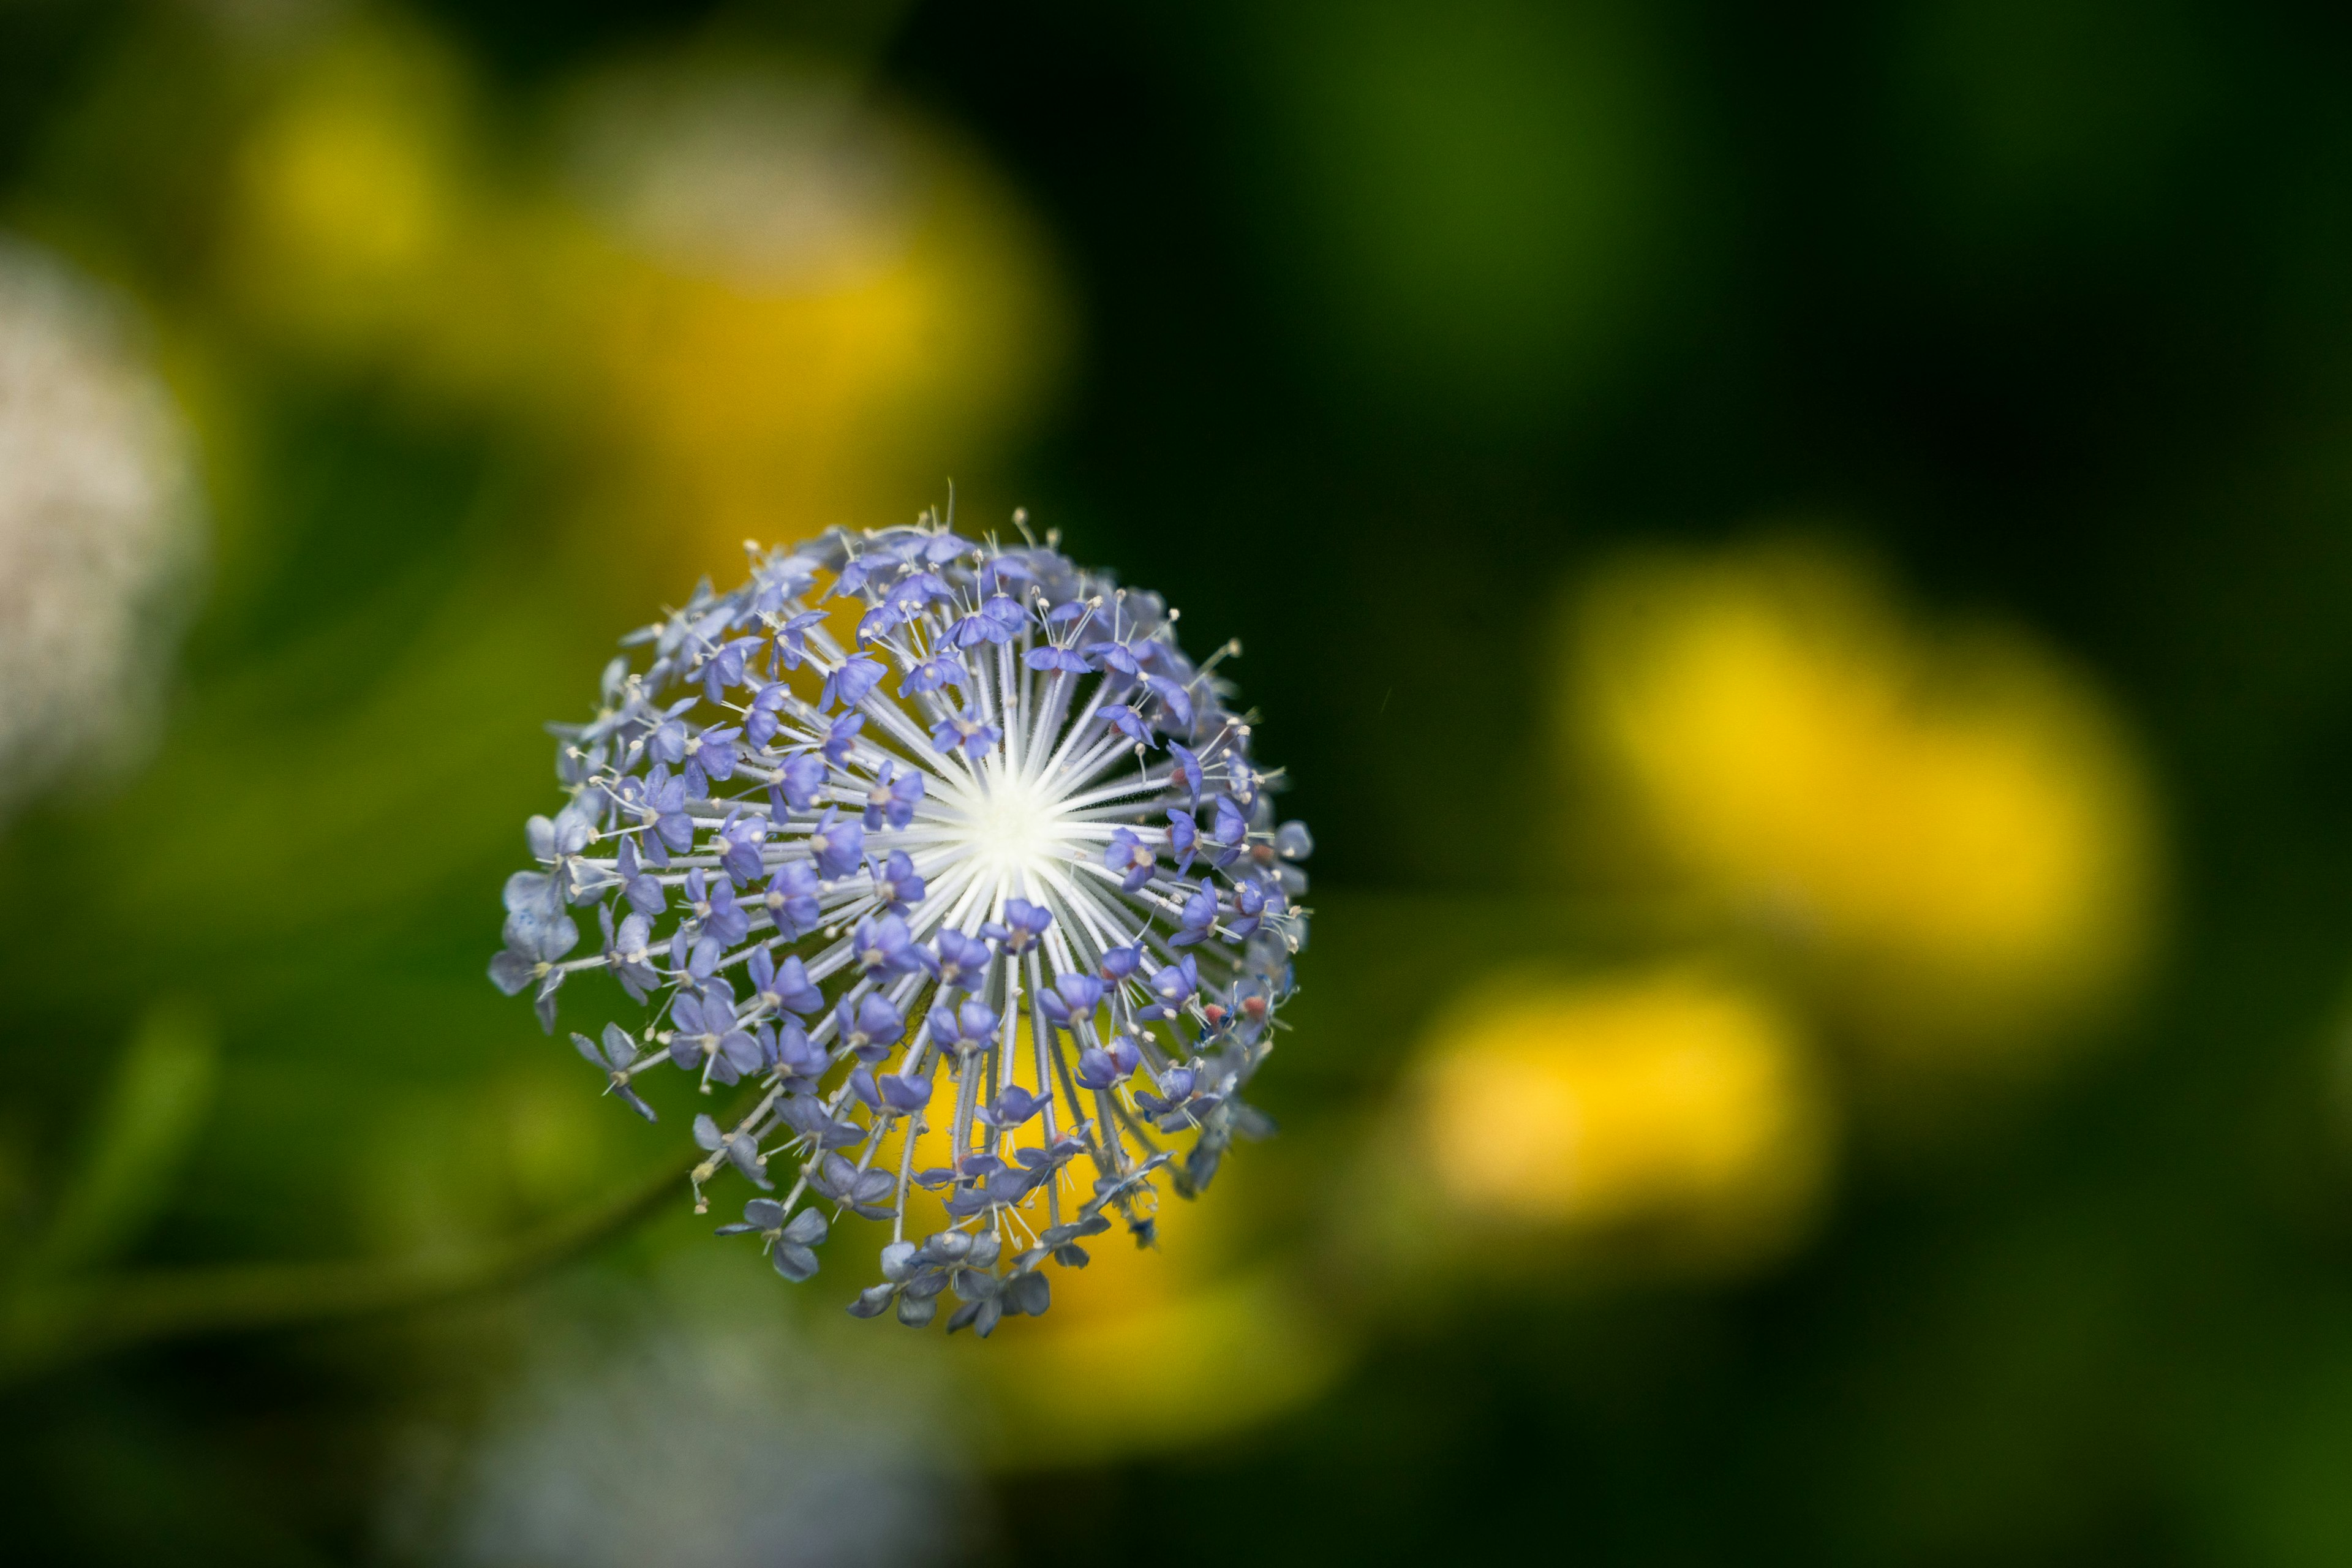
<point>689,1441</point>
<point>768,180</point>
<point>98,526</point>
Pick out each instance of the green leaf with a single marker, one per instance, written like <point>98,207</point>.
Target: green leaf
<point>151,1112</point>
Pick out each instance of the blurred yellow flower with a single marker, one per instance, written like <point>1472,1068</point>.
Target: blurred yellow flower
<point>351,197</point>
<point>745,299</point>
<point>1183,1364</point>
<point>1953,824</point>
<point>789,299</point>
<point>1674,1105</point>
<point>1092,1378</point>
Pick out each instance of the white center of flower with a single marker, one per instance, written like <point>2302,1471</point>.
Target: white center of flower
<point>1013,827</point>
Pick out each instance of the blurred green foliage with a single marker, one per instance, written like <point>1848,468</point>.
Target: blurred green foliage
<point>1475,206</point>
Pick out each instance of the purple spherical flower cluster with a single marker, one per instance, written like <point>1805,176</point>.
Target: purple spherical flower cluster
<point>1007,833</point>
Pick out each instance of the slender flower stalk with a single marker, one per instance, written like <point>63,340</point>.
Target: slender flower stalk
<point>1007,833</point>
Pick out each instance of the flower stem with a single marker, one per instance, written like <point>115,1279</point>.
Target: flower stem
<point>46,1325</point>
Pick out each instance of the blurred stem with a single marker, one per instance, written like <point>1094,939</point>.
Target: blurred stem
<point>51,1324</point>
<point>150,1114</point>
